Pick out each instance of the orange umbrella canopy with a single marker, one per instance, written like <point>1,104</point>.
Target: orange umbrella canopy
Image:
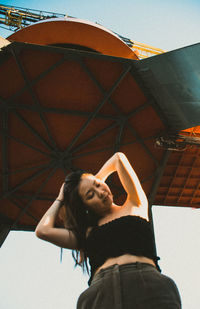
<point>75,33</point>
<point>68,108</point>
<point>64,109</point>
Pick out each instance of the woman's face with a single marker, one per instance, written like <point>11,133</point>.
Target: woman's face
<point>95,194</point>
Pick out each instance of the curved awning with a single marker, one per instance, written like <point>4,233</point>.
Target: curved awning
<point>63,109</point>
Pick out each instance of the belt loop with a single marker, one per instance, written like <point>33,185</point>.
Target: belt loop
<point>117,287</point>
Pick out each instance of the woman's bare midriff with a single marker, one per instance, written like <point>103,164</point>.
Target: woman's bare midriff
<point>125,259</point>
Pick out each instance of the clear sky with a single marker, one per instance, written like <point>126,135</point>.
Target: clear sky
<point>166,24</point>
<point>31,273</point>
<point>32,276</point>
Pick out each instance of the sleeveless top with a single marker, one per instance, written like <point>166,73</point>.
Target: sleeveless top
<point>124,235</point>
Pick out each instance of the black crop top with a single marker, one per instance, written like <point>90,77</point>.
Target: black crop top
<point>128,234</point>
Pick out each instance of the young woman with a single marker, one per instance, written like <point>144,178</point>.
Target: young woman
<point>117,240</point>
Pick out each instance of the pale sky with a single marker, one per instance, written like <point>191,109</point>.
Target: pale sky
<point>31,274</point>
<point>164,24</point>
<point>33,277</point>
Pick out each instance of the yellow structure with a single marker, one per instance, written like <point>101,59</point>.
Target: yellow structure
<point>16,18</point>
<point>145,51</point>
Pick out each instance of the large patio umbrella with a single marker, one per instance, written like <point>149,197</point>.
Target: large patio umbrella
<point>66,105</point>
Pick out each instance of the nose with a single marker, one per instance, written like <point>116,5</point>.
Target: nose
<point>101,193</point>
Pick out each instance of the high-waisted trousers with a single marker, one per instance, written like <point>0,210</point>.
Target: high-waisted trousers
<point>130,286</point>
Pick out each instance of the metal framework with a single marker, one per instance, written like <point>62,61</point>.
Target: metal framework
<point>16,18</point>
<point>54,159</point>
<point>180,181</point>
<point>143,50</point>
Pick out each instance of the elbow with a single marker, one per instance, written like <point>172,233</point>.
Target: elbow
<point>40,233</point>
<point>120,156</point>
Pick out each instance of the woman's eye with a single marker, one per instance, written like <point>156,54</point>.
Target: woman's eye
<point>91,195</point>
<point>97,184</point>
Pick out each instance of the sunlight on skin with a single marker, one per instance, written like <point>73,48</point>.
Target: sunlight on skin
<point>88,182</point>
<point>96,194</point>
<point>47,220</point>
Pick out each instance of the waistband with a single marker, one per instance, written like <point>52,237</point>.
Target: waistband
<point>136,266</point>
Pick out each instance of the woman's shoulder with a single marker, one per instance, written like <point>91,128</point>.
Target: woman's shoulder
<point>124,213</point>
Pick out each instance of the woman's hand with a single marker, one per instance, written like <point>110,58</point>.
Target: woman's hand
<point>46,229</point>
<point>61,193</point>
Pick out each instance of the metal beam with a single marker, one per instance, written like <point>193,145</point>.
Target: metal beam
<point>119,137</point>
<point>90,74</point>
<point>35,99</point>
<point>26,181</point>
<point>25,169</point>
<point>140,140</point>
<point>4,231</point>
<point>97,135</point>
<point>20,207</point>
<point>94,151</point>
<point>28,196</point>
<point>24,210</point>
<point>138,109</point>
<point>33,131</point>
<point>35,80</point>
<point>187,178</point>
<point>194,194</point>
<point>144,139</point>
<point>69,53</point>
<point>4,152</point>
<point>54,110</point>
<point>158,176</point>
<point>100,105</point>
<point>148,177</point>
<point>6,133</point>
<point>174,176</point>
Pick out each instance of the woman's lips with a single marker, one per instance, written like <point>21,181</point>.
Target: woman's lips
<point>105,197</point>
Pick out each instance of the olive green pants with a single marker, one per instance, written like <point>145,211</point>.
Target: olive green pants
<point>130,286</point>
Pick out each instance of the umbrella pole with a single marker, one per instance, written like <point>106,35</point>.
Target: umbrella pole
<point>4,231</point>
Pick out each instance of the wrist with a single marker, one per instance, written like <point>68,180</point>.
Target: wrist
<point>59,201</point>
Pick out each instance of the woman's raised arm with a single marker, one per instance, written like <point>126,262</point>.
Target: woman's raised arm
<point>119,163</point>
<point>46,229</point>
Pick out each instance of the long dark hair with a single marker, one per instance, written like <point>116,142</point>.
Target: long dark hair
<point>77,217</point>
